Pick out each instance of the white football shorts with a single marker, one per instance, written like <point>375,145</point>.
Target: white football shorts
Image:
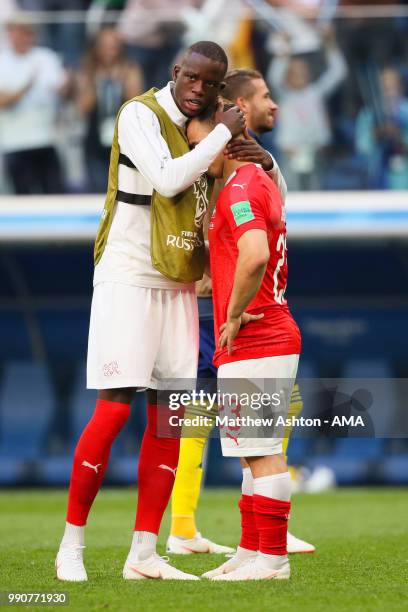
<point>282,369</point>
<point>140,336</point>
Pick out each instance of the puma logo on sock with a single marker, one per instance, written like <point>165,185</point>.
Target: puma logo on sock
<point>166,467</point>
<point>93,467</point>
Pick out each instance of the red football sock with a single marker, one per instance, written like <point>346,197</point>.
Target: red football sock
<point>91,457</point>
<point>157,469</point>
<point>271,516</point>
<point>249,531</point>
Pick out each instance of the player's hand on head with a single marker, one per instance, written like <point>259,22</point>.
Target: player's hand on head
<point>250,151</point>
<point>233,118</point>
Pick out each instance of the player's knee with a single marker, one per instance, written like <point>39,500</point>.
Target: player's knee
<point>121,396</point>
<point>267,465</point>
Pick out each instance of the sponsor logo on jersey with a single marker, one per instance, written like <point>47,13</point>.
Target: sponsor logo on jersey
<point>242,212</point>
<point>187,241</point>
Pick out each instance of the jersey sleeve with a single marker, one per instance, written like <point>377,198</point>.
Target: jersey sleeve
<point>141,140</point>
<point>245,209</point>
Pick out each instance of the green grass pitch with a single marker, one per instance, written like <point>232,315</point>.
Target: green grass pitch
<point>361,561</point>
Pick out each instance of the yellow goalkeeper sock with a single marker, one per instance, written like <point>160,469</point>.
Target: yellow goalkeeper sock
<point>187,485</point>
<point>295,408</point>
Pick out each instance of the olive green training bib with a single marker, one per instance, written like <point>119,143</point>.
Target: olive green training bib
<point>176,235</point>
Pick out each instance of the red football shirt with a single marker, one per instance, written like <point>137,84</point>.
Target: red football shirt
<point>251,200</point>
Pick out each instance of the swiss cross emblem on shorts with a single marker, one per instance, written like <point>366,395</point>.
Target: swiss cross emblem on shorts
<point>110,369</point>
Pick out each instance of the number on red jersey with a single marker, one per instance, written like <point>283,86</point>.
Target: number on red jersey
<point>279,292</point>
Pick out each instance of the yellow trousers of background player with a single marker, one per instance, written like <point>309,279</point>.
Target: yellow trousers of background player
<point>187,486</point>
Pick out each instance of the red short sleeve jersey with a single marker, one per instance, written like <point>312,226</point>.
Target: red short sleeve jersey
<point>251,200</point>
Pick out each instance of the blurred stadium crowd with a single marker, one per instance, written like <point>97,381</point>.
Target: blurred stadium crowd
<point>337,68</point>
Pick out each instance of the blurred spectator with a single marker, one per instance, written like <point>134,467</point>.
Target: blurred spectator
<point>7,9</point>
<point>296,20</point>
<point>152,41</point>
<point>382,133</point>
<point>361,36</point>
<point>106,80</point>
<point>303,126</point>
<point>230,24</point>
<point>66,38</point>
<point>31,82</point>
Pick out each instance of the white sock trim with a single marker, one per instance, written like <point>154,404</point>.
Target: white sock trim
<point>243,553</point>
<point>276,486</point>
<point>74,535</point>
<point>271,561</point>
<point>272,477</point>
<point>143,545</point>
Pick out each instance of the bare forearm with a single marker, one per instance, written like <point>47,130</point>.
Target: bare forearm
<point>247,281</point>
<point>9,98</point>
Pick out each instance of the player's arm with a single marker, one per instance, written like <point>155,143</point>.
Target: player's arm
<point>253,256</point>
<point>141,140</point>
<point>251,151</point>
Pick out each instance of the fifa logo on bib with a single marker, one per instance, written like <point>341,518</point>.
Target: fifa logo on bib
<point>187,241</point>
<point>200,188</point>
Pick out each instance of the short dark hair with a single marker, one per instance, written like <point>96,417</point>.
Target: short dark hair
<point>209,49</point>
<point>238,83</point>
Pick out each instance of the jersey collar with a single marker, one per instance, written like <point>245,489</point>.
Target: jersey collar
<point>254,136</point>
<point>165,99</point>
<point>231,176</point>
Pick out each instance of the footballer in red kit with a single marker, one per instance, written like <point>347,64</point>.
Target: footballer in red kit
<point>258,346</point>
<point>251,200</point>
<point>273,336</point>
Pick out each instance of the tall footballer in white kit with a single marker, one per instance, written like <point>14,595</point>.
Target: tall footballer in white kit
<point>144,323</point>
